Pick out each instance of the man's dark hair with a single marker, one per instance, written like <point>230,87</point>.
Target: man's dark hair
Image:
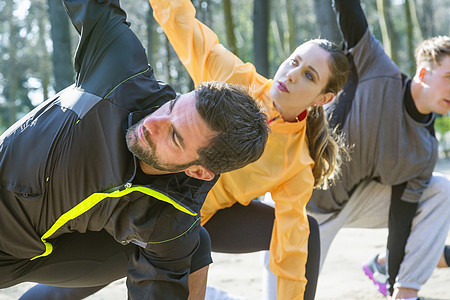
<point>240,124</point>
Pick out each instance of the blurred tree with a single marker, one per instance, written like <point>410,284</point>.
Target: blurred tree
<point>12,73</point>
<point>229,26</point>
<point>387,29</point>
<point>292,28</point>
<point>63,70</point>
<point>327,23</point>
<point>410,70</point>
<point>152,36</point>
<point>415,19</point>
<point>280,33</point>
<point>167,48</point>
<point>427,20</point>
<point>43,56</point>
<point>261,13</point>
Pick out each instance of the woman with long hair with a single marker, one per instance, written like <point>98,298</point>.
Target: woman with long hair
<point>302,152</point>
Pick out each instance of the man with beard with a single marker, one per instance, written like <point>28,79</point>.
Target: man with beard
<point>106,179</point>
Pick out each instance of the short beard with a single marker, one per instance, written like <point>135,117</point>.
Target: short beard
<point>149,157</point>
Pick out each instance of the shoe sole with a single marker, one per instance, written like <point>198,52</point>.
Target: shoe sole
<point>381,287</point>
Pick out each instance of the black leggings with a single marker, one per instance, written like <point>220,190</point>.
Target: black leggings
<point>107,261</point>
<point>447,254</point>
<point>243,229</point>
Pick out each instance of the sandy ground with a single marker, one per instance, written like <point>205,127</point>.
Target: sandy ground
<point>341,277</point>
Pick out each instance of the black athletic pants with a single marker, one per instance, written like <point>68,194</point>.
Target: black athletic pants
<point>242,229</point>
<point>82,264</point>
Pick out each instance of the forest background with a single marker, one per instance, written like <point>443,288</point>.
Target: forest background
<point>37,42</point>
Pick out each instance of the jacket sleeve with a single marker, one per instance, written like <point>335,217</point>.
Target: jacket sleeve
<point>351,21</point>
<point>289,243</point>
<point>108,51</point>
<point>198,47</point>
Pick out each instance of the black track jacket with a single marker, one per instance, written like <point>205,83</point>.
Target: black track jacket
<point>65,166</point>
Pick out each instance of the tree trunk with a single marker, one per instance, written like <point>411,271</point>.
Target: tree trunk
<point>415,19</point>
<point>427,23</point>
<point>409,39</point>
<point>229,26</point>
<point>278,31</point>
<point>261,9</point>
<point>12,76</point>
<point>152,36</point>
<point>292,28</point>
<point>63,70</point>
<point>168,62</point>
<point>326,21</point>
<point>387,29</point>
<point>44,57</point>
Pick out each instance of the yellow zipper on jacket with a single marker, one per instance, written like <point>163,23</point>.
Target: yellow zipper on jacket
<point>93,200</point>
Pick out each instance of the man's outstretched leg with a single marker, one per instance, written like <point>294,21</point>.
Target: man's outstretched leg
<point>114,264</point>
<point>81,264</point>
<point>48,292</point>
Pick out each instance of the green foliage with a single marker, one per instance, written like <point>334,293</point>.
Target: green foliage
<point>442,124</point>
<point>442,127</point>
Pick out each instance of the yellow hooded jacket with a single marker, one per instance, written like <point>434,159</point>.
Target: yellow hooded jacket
<point>284,169</point>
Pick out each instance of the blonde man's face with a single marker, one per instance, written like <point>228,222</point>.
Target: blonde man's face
<point>436,82</point>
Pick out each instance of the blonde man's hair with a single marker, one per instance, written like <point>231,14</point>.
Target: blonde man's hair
<point>432,51</point>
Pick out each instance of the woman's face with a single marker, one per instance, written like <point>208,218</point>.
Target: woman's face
<point>300,79</point>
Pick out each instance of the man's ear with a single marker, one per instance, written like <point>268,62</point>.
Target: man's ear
<point>422,73</point>
<point>324,99</point>
<point>199,172</point>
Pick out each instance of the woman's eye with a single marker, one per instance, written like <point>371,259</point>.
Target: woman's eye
<point>309,76</point>
<point>293,62</point>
